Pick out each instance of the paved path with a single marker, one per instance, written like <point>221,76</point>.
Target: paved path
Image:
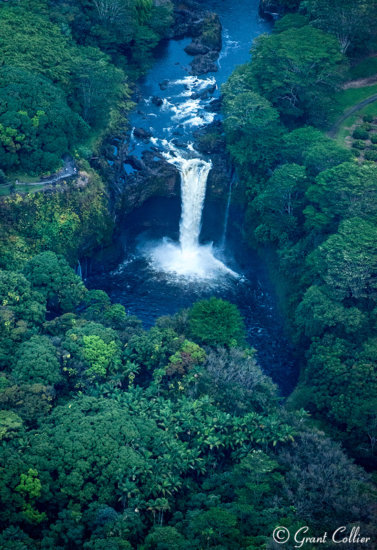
<point>69,169</point>
<point>336,127</point>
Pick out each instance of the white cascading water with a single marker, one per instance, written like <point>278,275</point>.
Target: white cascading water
<point>194,174</point>
<point>189,258</point>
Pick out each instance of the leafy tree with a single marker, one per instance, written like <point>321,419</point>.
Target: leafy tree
<point>280,203</point>
<point>35,45</point>
<point>29,401</point>
<point>290,21</point>
<point>165,538</point>
<point>214,527</point>
<point>152,350</point>
<point>10,423</point>
<point>317,313</point>
<point>53,277</point>
<point>92,351</point>
<point>234,379</point>
<point>348,190</point>
<point>350,21</point>
<point>22,311</point>
<point>298,71</point>
<point>297,143</point>
<point>251,123</point>
<point>36,362</point>
<point>97,84</point>
<point>36,124</point>
<point>216,322</point>
<point>322,482</point>
<point>347,261</point>
<point>325,155</point>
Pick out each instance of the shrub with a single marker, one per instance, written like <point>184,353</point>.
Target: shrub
<point>359,144</point>
<point>217,323</point>
<point>371,155</point>
<point>360,133</point>
<point>368,118</point>
<point>373,138</point>
<point>356,152</point>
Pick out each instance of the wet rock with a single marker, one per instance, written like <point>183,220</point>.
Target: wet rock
<point>196,48</point>
<point>214,106</point>
<point>204,94</point>
<point>143,134</point>
<point>203,64</point>
<point>164,84</point>
<point>157,101</point>
<point>179,144</point>
<point>136,163</point>
<point>270,9</point>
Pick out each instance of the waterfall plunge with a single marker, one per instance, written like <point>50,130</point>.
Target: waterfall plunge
<point>194,174</point>
<point>189,259</point>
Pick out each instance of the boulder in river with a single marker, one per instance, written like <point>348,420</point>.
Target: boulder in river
<point>203,64</point>
<point>164,84</point>
<point>206,93</point>
<point>214,106</point>
<point>158,101</point>
<point>196,48</point>
<point>143,134</point>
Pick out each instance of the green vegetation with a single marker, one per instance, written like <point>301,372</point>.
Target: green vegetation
<point>114,437</point>
<point>66,71</point>
<point>313,201</point>
<point>365,69</point>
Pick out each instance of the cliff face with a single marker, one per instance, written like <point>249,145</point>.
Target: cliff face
<point>155,178</point>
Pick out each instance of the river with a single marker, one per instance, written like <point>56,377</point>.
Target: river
<point>171,252</point>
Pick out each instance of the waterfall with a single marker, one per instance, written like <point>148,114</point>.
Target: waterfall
<point>194,174</point>
<point>78,269</point>
<point>226,217</point>
<point>188,258</point>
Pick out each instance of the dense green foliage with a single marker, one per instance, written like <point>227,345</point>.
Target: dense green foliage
<point>114,437</point>
<point>72,220</point>
<point>315,204</point>
<point>66,68</point>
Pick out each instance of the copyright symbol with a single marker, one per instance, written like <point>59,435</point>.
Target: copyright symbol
<point>281,535</point>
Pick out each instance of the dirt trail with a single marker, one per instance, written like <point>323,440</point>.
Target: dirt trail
<point>360,83</point>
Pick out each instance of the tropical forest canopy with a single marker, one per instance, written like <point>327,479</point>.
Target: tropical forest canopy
<point>115,437</point>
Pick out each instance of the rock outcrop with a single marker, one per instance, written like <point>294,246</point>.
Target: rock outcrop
<point>154,177</point>
<point>205,29</point>
<point>270,9</point>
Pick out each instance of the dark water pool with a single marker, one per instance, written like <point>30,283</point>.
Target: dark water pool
<point>125,273</point>
<point>128,278</point>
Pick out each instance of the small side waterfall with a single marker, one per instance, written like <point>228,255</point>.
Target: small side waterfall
<point>227,208</point>
<point>79,269</point>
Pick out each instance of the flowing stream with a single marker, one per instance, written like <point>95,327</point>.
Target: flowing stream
<point>173,252</point>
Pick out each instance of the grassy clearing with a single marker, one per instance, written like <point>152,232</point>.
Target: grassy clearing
<point>5,189</point>
<point>346,127</point>
<point>347,98</point>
